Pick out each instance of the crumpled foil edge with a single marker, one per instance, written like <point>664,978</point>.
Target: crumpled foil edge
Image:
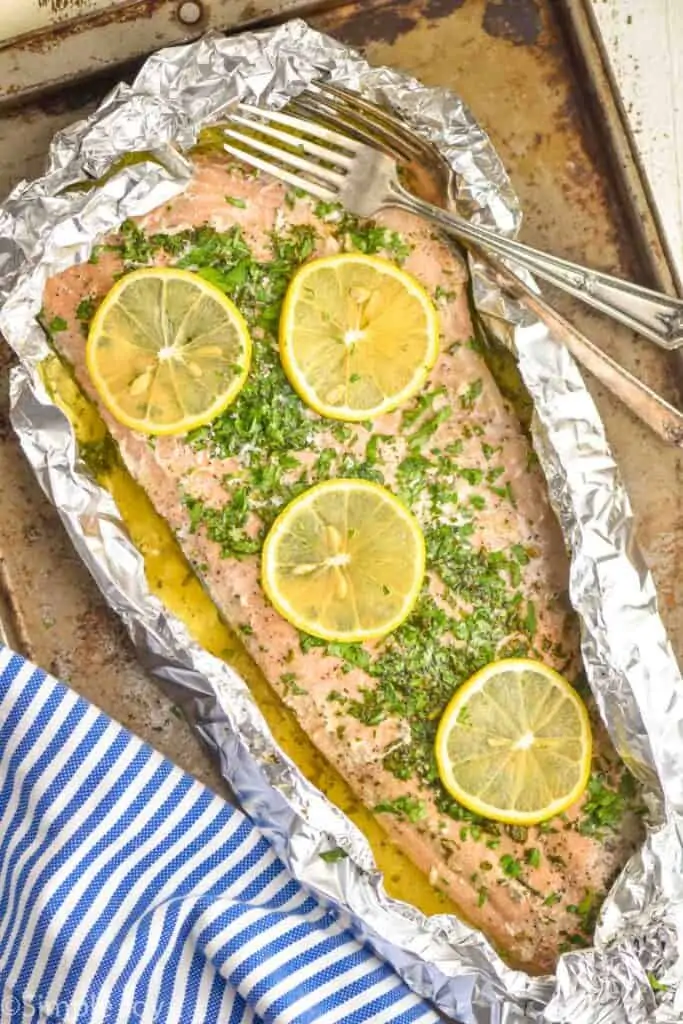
<point>630,666</point>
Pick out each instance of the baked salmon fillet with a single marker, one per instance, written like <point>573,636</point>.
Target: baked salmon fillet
<point>497,571</point>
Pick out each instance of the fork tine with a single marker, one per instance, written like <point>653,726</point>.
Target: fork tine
<point>293,140</point>
<point>300,125</point>
<point>279,172</point>
<point>374,113</point>
<point>312,106</point>
<point>369,119</point>
<point>362,129</point>
<point>290,159</point>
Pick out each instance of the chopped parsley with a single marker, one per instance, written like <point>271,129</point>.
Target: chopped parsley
<point>288,680</point>
<point>603,808</point>
<point>58,323</point>
<point>427,428</point>
<point>510,866</point>
<point>586,911</point>
<point>134,246</point>
<point>371,238</point>
<point>226,525</point>
<point>85,311</point>
<point>100,456</point>
<point>326,210</point>
<point>471,394</point>
<point>268,419</point>
<point>489,450</point>
<point>421,404</point>
<point>473,476</point>
<point>334,856</point>
<point>405,807</point>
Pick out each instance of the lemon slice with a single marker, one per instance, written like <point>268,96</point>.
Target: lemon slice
<point>358,336</point>
<point>167,351</point>
<point>514,744</point>
<point>344,561</point>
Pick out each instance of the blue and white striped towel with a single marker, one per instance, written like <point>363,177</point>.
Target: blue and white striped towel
<point>131,893</point>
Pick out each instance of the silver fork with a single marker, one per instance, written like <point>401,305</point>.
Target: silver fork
<point>429,173</point>
<point>364,180</point>
<point>431,177</point>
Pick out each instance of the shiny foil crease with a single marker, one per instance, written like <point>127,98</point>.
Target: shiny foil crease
<point>630,665</point>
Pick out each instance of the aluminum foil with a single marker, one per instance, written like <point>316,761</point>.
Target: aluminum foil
<point>630,665</point>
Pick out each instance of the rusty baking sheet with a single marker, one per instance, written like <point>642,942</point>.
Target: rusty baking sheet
<point>516,64</point>
<point>61,41</point>
<point>32,16</point>
<point>657,262</point>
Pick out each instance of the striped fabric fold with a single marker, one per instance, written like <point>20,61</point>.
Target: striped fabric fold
<point>131,893</point>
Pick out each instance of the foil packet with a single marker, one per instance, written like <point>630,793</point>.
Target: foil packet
<point>628,660</point>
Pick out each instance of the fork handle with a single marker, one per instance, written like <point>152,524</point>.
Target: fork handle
<point>650,313</point>
<point>646,404</point>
